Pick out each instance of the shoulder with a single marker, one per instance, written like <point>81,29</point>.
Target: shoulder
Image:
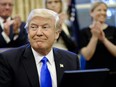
<point>111,27</point>
<point>22,24</point>
<point>64,52</point>
<point>66,57</point>
<point>13,56</point>
<point>13,51</point>
<point>85,29</point>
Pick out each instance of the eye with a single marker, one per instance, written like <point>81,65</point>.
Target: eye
<point>33,27</point>
<point>5,4</point>
<point>46,26</point>
<point>99,9</point>
<point>105,10</point>
<point>49,2</point>
<point>57,1</point>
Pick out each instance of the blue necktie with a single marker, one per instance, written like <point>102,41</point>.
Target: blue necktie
<point>45,78</point>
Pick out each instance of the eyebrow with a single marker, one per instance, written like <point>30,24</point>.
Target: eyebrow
<point>40,25</point>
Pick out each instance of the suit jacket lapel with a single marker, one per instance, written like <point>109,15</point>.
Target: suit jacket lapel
<point>30,67</point>
<point>59,65</point>
<point>1,29</point>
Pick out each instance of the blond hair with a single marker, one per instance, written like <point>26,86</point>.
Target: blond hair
<point>96,4</point>
<point>63,5</point>
<point>45,13</point>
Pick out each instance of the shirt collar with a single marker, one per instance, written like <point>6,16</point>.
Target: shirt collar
<point>38,57</point>
<point>1,19</point>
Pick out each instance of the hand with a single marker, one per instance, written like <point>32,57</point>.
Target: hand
<point>96,29</point>
<point>102,36</point>
<point>7,26</point>
<point>16,24</point>
<point>63,17</point>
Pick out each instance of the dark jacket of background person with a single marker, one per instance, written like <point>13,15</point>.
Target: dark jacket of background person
<point>12,31</point>
<point>102,58</point>
<point>98,40</point>
<point>69,41</point>
<point>21,40</point>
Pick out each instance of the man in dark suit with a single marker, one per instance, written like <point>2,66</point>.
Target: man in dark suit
<point>21,67</point>
<point>12,31</point>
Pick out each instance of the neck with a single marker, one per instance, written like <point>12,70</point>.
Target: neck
<point>5,17</point>
<point>43,51</point>
<point>103,25</point>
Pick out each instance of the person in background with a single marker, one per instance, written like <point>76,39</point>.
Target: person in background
<point>12,31</point>
<point>98,40</point>
<point>21,67</point>
<point>67,39</point>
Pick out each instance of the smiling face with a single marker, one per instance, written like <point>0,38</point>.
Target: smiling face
<point>99,13</point>
<point>6,7</point>
<point>42,34</point>
<point>55,5</point>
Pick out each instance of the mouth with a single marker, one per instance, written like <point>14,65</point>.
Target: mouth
<point>102,16</point>
<point>39,39</point>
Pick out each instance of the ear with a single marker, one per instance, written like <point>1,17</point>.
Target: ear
<point>57,33</point>
<point>91,14</point>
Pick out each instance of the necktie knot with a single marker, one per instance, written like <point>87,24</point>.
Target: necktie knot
<point>44,60</point>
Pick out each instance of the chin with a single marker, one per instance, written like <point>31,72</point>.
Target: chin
<point>101,21</point>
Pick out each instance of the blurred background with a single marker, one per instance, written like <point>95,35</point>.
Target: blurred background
<point>23,7</point>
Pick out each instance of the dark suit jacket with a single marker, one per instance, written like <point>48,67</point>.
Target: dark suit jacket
<point>18,67</point>
<point>21,40</point>
<point>70,42</point>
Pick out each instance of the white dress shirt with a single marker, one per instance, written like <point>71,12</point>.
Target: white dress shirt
<point>6,38</point>
<point>51,65</point>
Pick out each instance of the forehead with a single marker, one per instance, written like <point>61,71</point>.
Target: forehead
<point>103,5</point>
<point>96,6</point>
<point>6,1</point>
<point>42,20</point>
<point>53,0</point>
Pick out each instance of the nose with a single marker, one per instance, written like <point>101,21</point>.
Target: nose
<point>39,31</point>
<point>53,4</point>
<point>103,12</point>
<point>8,5</point>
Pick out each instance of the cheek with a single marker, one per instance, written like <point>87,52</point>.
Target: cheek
<point>2,11</point>
<point>30,34</point>
<point>95,16</point>
<point>52,36</point>
<point>49,6</point>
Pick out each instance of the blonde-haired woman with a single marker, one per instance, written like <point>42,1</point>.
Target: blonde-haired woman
<point>98,40</point>
<point>67,40</point>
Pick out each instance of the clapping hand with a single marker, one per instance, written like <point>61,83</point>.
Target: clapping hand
<point>7,26</point>
<point>16,24</point>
